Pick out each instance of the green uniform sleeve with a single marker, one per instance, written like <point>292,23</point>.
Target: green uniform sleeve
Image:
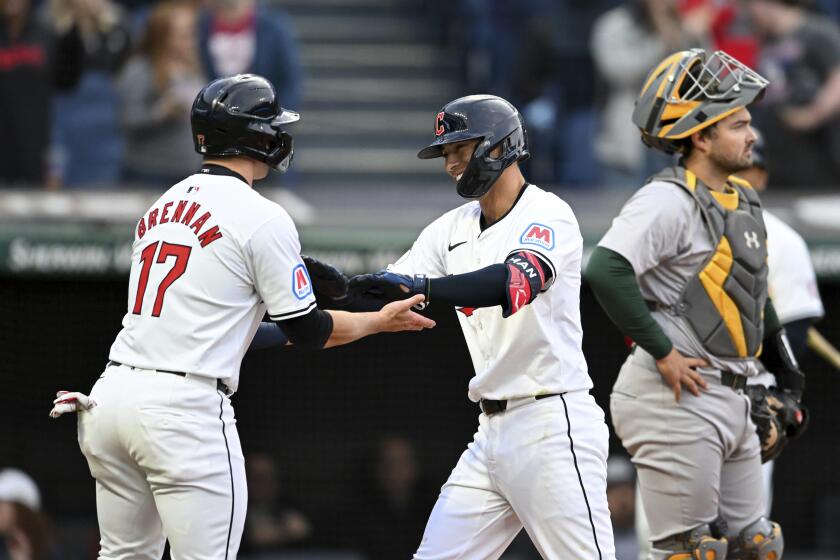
<point>613,280</point>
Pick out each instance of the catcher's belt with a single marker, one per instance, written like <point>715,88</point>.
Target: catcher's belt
<point>723,302</point>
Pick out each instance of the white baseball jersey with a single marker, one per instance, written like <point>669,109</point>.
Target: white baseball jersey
<point>538,349</point>
<point>791,278</point>
<point>209,258</point>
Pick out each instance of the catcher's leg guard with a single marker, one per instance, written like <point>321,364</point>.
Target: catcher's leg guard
<point>760,540</point>
<point>697,544</point>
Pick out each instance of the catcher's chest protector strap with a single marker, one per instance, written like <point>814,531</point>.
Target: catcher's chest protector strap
<point>724,301</point>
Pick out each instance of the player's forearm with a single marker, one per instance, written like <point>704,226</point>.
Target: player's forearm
<point>349,327</point>
<point>826,103</point>
<point>614,283</point>
<point>481,288</point>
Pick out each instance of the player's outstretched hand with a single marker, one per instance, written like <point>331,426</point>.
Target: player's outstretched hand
<point>67,401</point>
<point>398,316</point>
<point>677,370</point>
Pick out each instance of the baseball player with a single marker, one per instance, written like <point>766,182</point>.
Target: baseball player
<point>210,258</point>
<point>791,282</point>
<point>509,260</point>
<point>682,271</point>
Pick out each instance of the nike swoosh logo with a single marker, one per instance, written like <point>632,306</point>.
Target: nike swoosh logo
<point>453,245</point>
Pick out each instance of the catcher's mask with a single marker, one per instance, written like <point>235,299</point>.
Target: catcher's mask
<point>489,119</point>
<point>689,91</point>
<point>241,116</point>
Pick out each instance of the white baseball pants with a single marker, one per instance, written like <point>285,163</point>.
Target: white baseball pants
<point>541,464</point>
<point>166,457</point>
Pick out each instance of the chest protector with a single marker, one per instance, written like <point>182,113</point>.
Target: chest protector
<point>724,300</point>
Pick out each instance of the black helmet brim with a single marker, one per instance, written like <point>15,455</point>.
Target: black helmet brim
<point>285,117</point>
<point>435,149</point>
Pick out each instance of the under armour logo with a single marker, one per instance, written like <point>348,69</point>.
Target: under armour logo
<point>752,239</point>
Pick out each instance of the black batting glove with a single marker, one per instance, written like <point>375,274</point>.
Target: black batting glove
<point>331,286</point>
<point>391,286</point>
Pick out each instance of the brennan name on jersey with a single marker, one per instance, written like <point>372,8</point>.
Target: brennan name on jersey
<point>182,215</point>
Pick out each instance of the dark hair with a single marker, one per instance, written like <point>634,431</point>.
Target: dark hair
<point>686,145</point>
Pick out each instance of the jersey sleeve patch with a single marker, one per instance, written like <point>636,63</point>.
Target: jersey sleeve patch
<point>538,234</point>
<point>301,283</point>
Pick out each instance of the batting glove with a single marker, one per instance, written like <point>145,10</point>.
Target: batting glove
<point>70,401</point>
<point>392,286</point>
<point>329,283</point>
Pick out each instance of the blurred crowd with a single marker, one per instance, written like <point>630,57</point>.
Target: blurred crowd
<point>575,68</point>
<point>96,92</point>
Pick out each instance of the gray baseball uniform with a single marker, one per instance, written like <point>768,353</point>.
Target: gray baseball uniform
<point>699,458</point>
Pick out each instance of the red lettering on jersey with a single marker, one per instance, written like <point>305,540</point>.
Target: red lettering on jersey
<point>191,212</point>
<point>153,218</point>
<point>468,311</point>
<point>439,124</point>
<point>199,223</point>
<point>141,228</point>
<point>301,281</point>
<point>539,233</point>
<point>209,236</point>
<point>179,210</point>
<point>163,217</point>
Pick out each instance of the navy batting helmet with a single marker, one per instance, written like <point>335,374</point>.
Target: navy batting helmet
<point>494,122</point>
<point>241,116</point>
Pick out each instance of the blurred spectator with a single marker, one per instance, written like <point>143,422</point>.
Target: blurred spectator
<point>237,36</point>
<point>393,504</point>
<point>731,29</point>
<point>621,497</point>
<point>626,43</point>
<point>157,88</point>
<point>800,114</point>
<point>103,29</point>
<point>555,86</point>
<point>87,142</point>
<point>35,60</point>
<point>271,524</point>
<point>491,34</point>
<point>23,527</point>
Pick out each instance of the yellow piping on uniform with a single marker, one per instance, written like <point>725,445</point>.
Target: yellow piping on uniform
<point>728,200</point>
<point>690,180</point>
<point>713,277</point>
<point>741,182</point>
